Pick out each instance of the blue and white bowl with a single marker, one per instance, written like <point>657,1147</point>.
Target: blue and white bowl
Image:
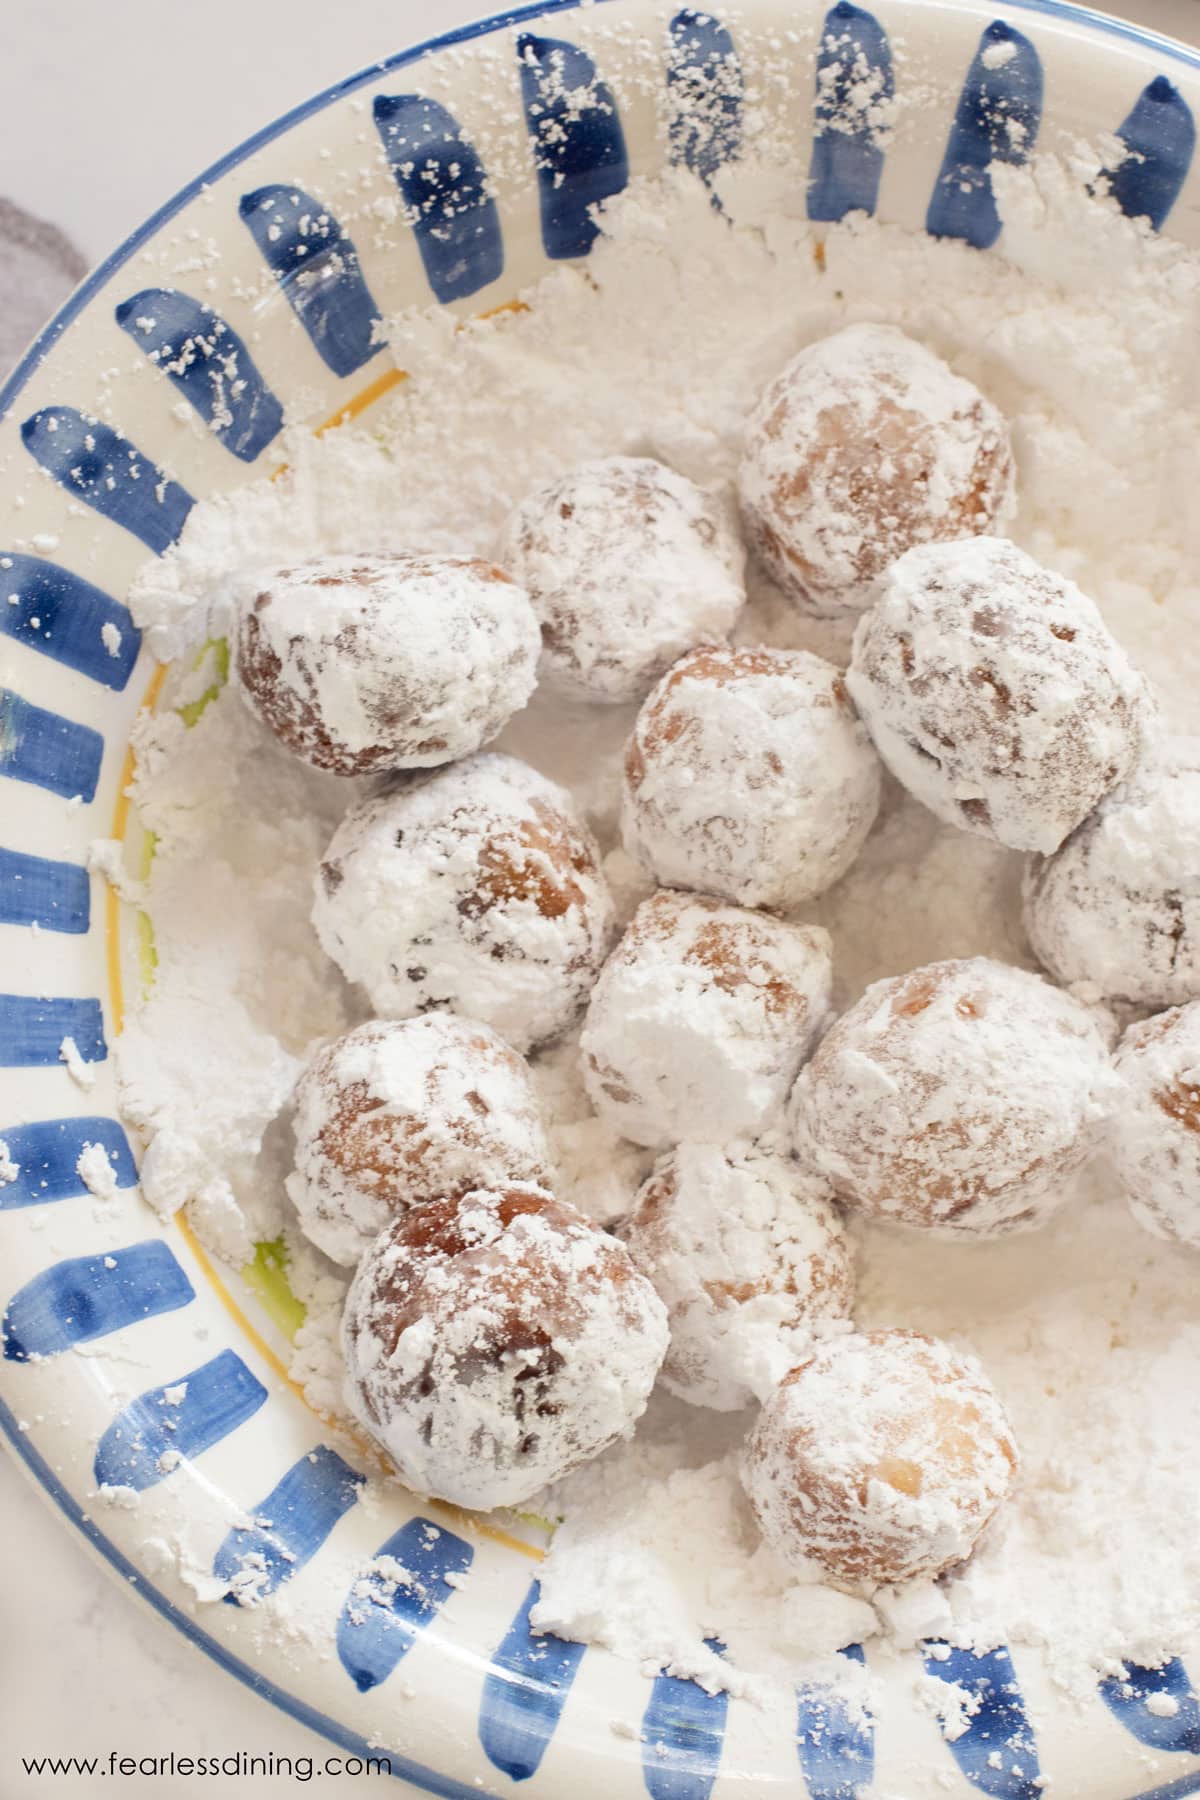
<point>131,1364</point>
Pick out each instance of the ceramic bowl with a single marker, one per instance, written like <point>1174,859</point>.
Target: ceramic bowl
<point>144,1388</point>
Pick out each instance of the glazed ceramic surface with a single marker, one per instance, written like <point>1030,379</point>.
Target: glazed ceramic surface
<point>146,1389</point>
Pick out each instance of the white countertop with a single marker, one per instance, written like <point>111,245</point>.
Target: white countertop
<point>112,107</point>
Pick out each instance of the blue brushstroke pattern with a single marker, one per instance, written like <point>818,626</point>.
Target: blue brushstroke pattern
<point>210,365</point>
<point>524,1694</point>
<point>318,270</point>
<point>96,464</point>
<point>32,1030</point>
<point>35,891</point>
<point>1160,138</point>
<point>61,615</point>
<point>220,1396</point>
<point>47,750</point>
<point>381,1619</point>
<point>997,119</point>
<point>836,1743</point>
<point>89,1296</point>
<point>999,1725</point>
<point>453,217</point>
<point>46,1155</point>
<point>579,150</point>
<point>289,1527</point>
<point>1126,1700</point>
<point>847,153</point>
<point>706,90</point>
<point>683,1730</point>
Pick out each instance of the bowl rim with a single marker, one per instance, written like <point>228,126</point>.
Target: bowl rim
<point>1066,11</point>
<point>28,1458</point>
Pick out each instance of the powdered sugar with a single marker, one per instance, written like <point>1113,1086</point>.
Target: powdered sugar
<point>623,1569</point>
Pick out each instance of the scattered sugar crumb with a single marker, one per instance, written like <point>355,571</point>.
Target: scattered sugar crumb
<point>96,1172</point>
<point>82,1073</point>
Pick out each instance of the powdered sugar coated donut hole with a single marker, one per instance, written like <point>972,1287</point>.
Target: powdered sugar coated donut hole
<point>628,565</point>
<point>1154,1133</point>
<point>701,1019</point>
<point>398,1112</point>
<point>1116,912</point>
<point>865,444</point>
<point>495,1341</point>
<point>748,1253</point>
<point>994,692</point>
<point>360,663</point>
<point>882,1457</point>
<point>958,1098</point>
<point>477,889</point>
<point>749,775</point>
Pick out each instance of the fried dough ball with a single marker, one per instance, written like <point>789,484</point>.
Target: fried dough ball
<point>749,775</point>
<point>628,565</point>
<point>1116,911</point>
<point>993,691</point>
<point>881,1457</point>
<point>958,1098</point>
<point>399,1112</point>
<point>476,890</point>
<point>701,1019</point>
<point>748,1254</point>
<point>864,445</point>
<point>359,663</point>
<point>1154,1133</point>
<point>495,1341</point>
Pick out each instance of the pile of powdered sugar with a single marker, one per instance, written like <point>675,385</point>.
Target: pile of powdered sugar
<point>1083,334</point>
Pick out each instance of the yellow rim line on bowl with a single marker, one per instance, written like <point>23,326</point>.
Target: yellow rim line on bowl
<point>120,824</point>
<point>391,378</point>
<point>465,1520</point>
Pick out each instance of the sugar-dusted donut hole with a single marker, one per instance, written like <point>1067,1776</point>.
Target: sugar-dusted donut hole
<point>495,1341</point>
<point>399,1112</point>
<point>1154,1132</point>
<point>748,1253</point>
<point>700,1020</point>
<point>1116,912</point>
<point>994,692</point>
<point>959,1098</point>
<point>362,663</point>
<point>881,1457</point>
<point>477,889</point>
<point>864,445</point>
<point>628,564</point>
<point>750,776</point>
